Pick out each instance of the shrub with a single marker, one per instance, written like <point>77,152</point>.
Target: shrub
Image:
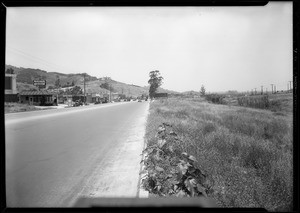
<point>261,102</point>
<point>215,98</point>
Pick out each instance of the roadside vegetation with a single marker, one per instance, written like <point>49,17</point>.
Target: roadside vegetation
<point>246,153</point>
<point>18,107</point>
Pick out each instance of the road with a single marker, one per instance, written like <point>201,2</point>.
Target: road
<point>53,156</point>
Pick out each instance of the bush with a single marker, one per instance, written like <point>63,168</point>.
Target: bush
<point>215,98</point>
<point>261,102</point>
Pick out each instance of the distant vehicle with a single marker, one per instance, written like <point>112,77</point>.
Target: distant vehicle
<point>139,100</point>
<point>77,103</point>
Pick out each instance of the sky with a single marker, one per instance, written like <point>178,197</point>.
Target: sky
<point>222,48</point>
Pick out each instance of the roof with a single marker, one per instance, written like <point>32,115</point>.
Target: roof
<point>41,92</point>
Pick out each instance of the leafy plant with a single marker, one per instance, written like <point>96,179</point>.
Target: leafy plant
<point>168,172</point>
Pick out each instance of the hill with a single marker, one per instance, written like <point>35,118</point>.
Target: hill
<point>25,76</point>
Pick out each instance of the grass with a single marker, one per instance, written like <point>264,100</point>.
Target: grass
<point>18,107</point>
<point>247,152</point>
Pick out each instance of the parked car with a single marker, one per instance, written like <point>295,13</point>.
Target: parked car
<point>77,103</point>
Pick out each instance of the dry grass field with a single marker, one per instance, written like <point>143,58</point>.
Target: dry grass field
<point>247,152</point>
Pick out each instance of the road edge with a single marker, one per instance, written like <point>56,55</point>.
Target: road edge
<point>142,193</point>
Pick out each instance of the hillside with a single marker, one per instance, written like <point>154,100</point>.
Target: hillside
<point>25,76</point>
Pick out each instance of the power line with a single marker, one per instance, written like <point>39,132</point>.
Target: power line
<point>40,60</point>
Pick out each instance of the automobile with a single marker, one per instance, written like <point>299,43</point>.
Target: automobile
<point>139,100</point>
<point>77,103</point>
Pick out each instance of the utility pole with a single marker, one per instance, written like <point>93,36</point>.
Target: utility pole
<point>84,87</point>
<point>275,88</point>
<point>272,87</point>
<point>262,90</point>
<point>290,85</point>
<point>109,92</point>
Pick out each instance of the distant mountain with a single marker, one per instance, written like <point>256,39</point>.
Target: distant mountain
<point>25,76</point>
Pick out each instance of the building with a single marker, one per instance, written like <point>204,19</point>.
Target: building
<point>38,98</point>
<point>11,92</point>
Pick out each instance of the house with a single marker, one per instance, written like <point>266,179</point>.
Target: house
<point>38,98</point>
<point>11,92</point>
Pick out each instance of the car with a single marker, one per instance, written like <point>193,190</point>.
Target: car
<point>139,100</point>
<point>77,103</point>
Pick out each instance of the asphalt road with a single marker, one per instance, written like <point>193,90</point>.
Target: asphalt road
<point>51,155</point>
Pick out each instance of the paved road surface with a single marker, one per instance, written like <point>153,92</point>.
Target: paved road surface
<point>52,156</point>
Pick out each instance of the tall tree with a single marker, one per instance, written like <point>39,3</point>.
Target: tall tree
<point>202,91</point>
<point>57,82</point>
<point>155,81</point>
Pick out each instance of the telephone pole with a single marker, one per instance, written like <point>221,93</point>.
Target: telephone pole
<point>275,89</point>
<point>272,88</point>
<point>262,90</point>
<point>84,86</point>
<point>290,85</point>
<point>109,92</point>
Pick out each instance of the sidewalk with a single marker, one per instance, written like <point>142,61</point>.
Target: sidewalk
<point>60,106</point>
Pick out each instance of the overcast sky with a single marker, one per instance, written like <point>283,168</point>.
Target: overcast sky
<point>223,48</point>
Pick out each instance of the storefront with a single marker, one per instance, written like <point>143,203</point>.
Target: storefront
<point>38,98</point>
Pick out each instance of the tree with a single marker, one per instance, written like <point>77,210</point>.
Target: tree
<point>10,71</point>
<point>155,81</point>
<point>57,82</point>
<point>105,86</point>
<point>202,91</point>
<point>76,90</point>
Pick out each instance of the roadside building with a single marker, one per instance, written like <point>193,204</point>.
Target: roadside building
<point>11,92</point>
<point>93,97</point>
<point>114,96</point>
<point>38,98</point>
<point>64,99</point>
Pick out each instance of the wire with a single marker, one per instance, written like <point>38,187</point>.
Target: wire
<point>40,60</point>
